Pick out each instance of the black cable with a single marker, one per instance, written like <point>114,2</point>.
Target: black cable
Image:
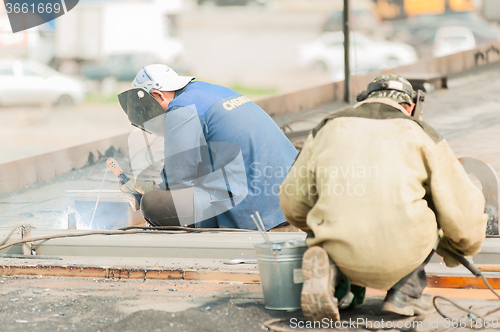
<point>10,234</point>
<point>476,272</point>
<point>185,229</point>
<point>468,311</point>
<point>113,232</point>
<point>489,286</point>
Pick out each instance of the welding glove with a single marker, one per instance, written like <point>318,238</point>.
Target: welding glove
<point>444,243</point>
<point>134,190</point>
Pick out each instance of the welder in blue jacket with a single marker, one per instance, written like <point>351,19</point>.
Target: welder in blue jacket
<point>217,142</point>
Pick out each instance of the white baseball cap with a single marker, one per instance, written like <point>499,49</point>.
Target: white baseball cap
<point>160,77</point>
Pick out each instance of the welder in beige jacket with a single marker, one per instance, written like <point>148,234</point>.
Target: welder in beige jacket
<point>372,186</point>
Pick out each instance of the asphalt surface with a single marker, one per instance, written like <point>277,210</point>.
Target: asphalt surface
<point>50,304</point>
<point>73,304</point>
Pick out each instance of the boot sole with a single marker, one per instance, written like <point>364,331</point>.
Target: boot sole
<point>391,308</point>
<point>409,310</point>
<point>317,298</point>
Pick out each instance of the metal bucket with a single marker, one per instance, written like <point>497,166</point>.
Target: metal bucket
<point>280,267</point>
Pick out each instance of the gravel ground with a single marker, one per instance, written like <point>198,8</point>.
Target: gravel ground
<point>52,304</point>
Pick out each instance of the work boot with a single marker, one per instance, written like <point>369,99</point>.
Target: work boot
<point>399,303</point>
<point>317,298</point>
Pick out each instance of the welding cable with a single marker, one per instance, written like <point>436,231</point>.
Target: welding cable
<point>470,313</point>
<point>489,286</point>
<point>476,272</point>
<point>109,232</point>
<point>186,229</point>
<point>10,234</point>
<point>493,291</point>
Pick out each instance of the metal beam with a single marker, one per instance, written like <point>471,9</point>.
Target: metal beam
<point>203,273</point>
<point>215,245</point>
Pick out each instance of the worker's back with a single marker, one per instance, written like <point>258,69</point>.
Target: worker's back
<point>245,146</point>
<point>373,168</point>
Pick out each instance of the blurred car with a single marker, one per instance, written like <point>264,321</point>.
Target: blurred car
<point>327,53</point>
<point>120,67</point>
<point>123,66</point>
<point>453,39</point>
<point>420,31</point>
<point>26,82</point>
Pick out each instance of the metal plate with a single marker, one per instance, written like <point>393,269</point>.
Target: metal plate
<point>489,182</point>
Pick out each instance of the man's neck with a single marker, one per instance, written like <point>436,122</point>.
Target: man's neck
<point>386,101</point>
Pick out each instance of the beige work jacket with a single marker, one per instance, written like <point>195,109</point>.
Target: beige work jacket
<point>372,184</point>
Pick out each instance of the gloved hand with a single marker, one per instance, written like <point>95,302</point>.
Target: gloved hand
<point>134,190</point>
<point>444,243</point>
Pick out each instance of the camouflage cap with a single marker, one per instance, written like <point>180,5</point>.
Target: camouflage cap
<point>398,96</point>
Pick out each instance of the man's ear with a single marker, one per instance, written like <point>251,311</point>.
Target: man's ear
<point>159,94</point>
<point>410,108</point>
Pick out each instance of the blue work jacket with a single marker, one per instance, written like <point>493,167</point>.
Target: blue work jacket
<point>230,151</point>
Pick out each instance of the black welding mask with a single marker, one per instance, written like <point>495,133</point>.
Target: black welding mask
<point>143,110</point>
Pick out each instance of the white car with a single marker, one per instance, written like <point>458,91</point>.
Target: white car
<point>26,82</point>
<point>327,53</point>
<point>453,39</point>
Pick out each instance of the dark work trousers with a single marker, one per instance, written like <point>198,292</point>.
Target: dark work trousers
<point>158,208</point>
<point>414,283</point>
<point>172,208</point>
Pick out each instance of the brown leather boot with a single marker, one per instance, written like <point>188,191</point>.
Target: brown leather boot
<point>398,303</point>
<point>317,298</point>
